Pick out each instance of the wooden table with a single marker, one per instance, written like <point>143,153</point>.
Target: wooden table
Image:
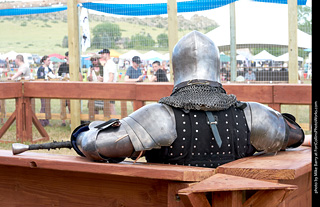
<point>36,179</point>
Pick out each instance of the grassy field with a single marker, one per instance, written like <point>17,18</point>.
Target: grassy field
<point>45,37</point>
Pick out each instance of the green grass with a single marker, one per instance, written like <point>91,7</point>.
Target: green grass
<point>45,37</point>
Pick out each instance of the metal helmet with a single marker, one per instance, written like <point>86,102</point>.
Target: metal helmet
<point>195,56</point>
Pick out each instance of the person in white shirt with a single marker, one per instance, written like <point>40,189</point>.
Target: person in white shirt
<point>110,73</point>
<point>23,71</point>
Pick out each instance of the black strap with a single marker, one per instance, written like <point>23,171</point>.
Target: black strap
<point>213,125</point>
<point>197,82</point>
<point>107,123</point>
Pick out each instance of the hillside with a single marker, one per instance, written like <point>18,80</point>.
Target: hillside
<point>43,34</point>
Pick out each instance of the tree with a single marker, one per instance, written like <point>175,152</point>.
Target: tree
<point>140,41</point>
<point>105,35</point>
<point>304,19</point>
<point>162,40</point>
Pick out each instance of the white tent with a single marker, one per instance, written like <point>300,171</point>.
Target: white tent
<point>264,55</point>
<point>285,57</point>
<point>151,55</point>
<point>129,55</point>
<point>11,55</point>
<point>258,24</point>
<point>166,56</point>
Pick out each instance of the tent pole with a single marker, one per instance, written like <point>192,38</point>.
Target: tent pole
<point>233,61</point>
<point>172,30</point>
<point>293,44</point>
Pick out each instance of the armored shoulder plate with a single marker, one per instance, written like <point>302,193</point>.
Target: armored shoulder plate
<point>267,127</point>
<point>152,126</point>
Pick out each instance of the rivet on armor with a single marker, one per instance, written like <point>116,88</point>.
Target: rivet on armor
<point>184,122</point>
<point>184,130</point>
<point>195,116</point>
<point>196,138</point>
<point>194,146</point>
<point>197,130</point>
<point>227,122</point>
<point>182,146</point>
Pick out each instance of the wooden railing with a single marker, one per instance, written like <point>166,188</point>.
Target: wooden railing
<point>138,93</point>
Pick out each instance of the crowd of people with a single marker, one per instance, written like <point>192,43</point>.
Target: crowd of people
<point>103,69</point>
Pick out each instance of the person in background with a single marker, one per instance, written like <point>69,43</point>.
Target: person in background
<point>134,73</point>
<point>250,76</point>
<point>110,74</point>
<point>159,74</point>
<point>42,73</point>
<point>7,69</point>
<point>64,71</point>
<point>95,73</point>
<point>23,71</point>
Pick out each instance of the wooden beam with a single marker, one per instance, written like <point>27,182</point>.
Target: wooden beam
<point>233,44</point>
<point>293,40</point>
<point>74,57</point>
<point>172,30</point>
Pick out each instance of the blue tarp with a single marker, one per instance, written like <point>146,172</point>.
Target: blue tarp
<point>155,9</point>
<point>32,10</point>
<point>137,9</point>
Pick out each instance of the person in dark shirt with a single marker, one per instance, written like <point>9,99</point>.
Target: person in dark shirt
<point>134,73</point>
<point>159,74</point>
<point>64,67</point>
<point>42,73</point>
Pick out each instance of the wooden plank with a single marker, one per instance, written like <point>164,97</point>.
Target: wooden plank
<point>286,165</point>
<point>267,198</point>
<point>80,90</point>
<point>10,90</point>
<point>80,164</point>
<point>194,199</point>
<point>293,41</point>
<point>30,186</point>
<point>223,182</point>
<point>153,92</point>
<point>172,10</point>
<point>39,127</point>
<point>223,199</point>
<point>259,93</point>
<point>8,123</point>
<point>293,94</point>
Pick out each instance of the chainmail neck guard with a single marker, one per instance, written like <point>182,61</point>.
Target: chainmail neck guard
<point>199,95</point>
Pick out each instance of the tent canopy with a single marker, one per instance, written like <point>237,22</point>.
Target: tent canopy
<point>285,57</point>
<point>264,55</point>
<point>152,55</point>
<point>262,24</point>
<point>129,55</point>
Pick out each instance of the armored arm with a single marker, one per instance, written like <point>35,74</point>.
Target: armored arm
<point>270,130</point>
<point>150,127</point>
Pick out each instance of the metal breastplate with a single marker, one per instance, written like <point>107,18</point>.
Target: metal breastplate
<point>196,144</point>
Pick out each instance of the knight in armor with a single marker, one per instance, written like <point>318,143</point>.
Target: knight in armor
<point>199,124</point>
